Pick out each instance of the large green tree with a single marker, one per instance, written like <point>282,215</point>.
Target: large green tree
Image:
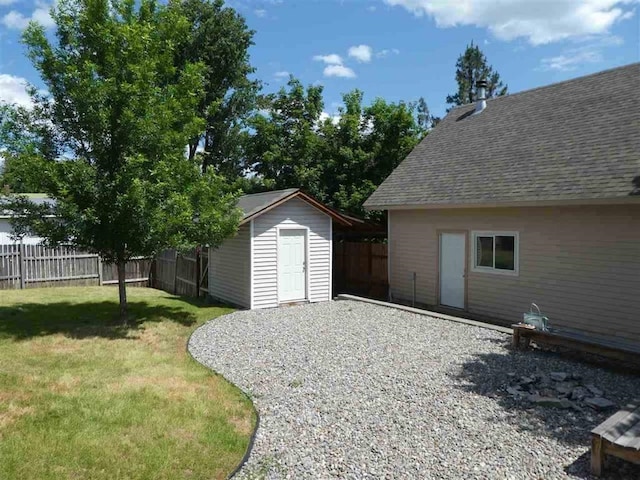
<point>122,113</point>
<point>472,66</point>
<point>365,145</point>
<point>26,146</point>
<point>283,147</point>
<point>339,160</point>
<point>219,39</point>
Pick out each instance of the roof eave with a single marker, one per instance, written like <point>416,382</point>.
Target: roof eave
<point>334,214</point>
<point>631,199</point>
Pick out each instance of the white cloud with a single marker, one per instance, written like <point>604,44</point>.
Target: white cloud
<point>335,118</point>
<point>566,62</point>
<point>7,2</point>
<point>281,74</point>
<point>261,12</point>
<point>574,57</point>
<point>13,90</point>
<point>18,21</point>
<point>371,8</point>
<point>538,22</point>
<point>334,66</point>
<point>331,59</point>
<point>361,53</point>
<point>386,52</point>
<point>338,71</point>
<point>15,20</point>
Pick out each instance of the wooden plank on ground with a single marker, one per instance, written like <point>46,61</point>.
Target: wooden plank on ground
<point>631,437</point>
<point>619,417</point>
<point>618,352</point>
<point>620,452</point>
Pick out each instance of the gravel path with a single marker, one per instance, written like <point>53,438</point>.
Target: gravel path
<point>353,390</point>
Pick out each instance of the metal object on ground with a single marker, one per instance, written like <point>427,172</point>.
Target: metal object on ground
<point>536,319</point>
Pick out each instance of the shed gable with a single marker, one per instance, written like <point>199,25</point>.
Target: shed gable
<point>293,213</point>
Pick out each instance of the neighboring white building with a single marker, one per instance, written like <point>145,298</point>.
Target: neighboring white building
<point>281,254</point>
<point>5,223</point>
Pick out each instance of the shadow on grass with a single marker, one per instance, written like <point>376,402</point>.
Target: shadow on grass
<point>82,320</point>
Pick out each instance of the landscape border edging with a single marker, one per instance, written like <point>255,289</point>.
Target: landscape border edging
<point>426,313</point>
<point>252,438</point>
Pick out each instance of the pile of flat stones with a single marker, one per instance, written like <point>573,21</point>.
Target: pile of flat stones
<point>558,390</point>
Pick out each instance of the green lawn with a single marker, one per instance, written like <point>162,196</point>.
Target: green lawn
<point>83,398</point>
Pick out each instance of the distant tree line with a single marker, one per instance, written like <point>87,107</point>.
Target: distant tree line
<point>152,122</point>
<point>260,141</point>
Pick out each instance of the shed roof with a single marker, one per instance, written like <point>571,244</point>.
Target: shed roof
<point>256,204</point>
<point>573,141</point>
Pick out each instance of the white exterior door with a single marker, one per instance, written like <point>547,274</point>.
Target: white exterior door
<point>292,274</point>
<point>452,269</point>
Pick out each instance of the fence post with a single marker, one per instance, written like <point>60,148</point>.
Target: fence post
<point>99,270</point>
<point>197,272</point>
<point>151,283</point>
<point>175,273</point>
<point>23,265</point>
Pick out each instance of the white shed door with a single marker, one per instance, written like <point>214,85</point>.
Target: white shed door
<point>292,275</point>
<point>452,271</point>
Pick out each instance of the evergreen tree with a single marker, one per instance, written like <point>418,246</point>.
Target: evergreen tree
<point>472,66</point>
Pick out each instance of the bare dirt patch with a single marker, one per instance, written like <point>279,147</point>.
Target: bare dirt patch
<point>13,413</point>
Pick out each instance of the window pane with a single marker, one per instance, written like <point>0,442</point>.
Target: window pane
<point>484,254</point>
<point>505,252</point>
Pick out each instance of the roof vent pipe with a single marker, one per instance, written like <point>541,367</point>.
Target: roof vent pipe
<point>481,95</point>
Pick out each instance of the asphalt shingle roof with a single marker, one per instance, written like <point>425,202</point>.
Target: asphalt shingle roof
<point>253,203</point>
<point>575,140</point>
<point>256,204</point>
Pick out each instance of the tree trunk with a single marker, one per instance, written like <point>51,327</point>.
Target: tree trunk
<point>122,291</point>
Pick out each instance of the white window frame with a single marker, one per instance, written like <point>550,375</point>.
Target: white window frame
<point>516,253</point>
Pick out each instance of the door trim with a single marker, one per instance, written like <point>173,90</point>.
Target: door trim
<point>306,262</point>
<point>439,233</point>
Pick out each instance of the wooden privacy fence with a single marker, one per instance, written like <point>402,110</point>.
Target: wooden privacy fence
<point>29,266</point>
<point>182,273</point>
<point>360,268</point>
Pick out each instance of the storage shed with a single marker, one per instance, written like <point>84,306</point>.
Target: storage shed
<point>281,254</point>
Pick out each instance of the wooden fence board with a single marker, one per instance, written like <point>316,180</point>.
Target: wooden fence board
<point>29,266</point>
<point>360,268</point>
<point>180,273</point>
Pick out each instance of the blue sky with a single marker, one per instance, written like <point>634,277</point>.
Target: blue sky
<point>397,49</point>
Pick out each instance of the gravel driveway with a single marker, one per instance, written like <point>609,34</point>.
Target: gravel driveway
<point>353,390</point>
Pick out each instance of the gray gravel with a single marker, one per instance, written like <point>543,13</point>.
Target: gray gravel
<point>352,390</point>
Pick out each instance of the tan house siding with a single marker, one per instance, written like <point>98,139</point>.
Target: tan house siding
<point>580,264</point>
<point>229,269</point>
<point>293,213</point>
